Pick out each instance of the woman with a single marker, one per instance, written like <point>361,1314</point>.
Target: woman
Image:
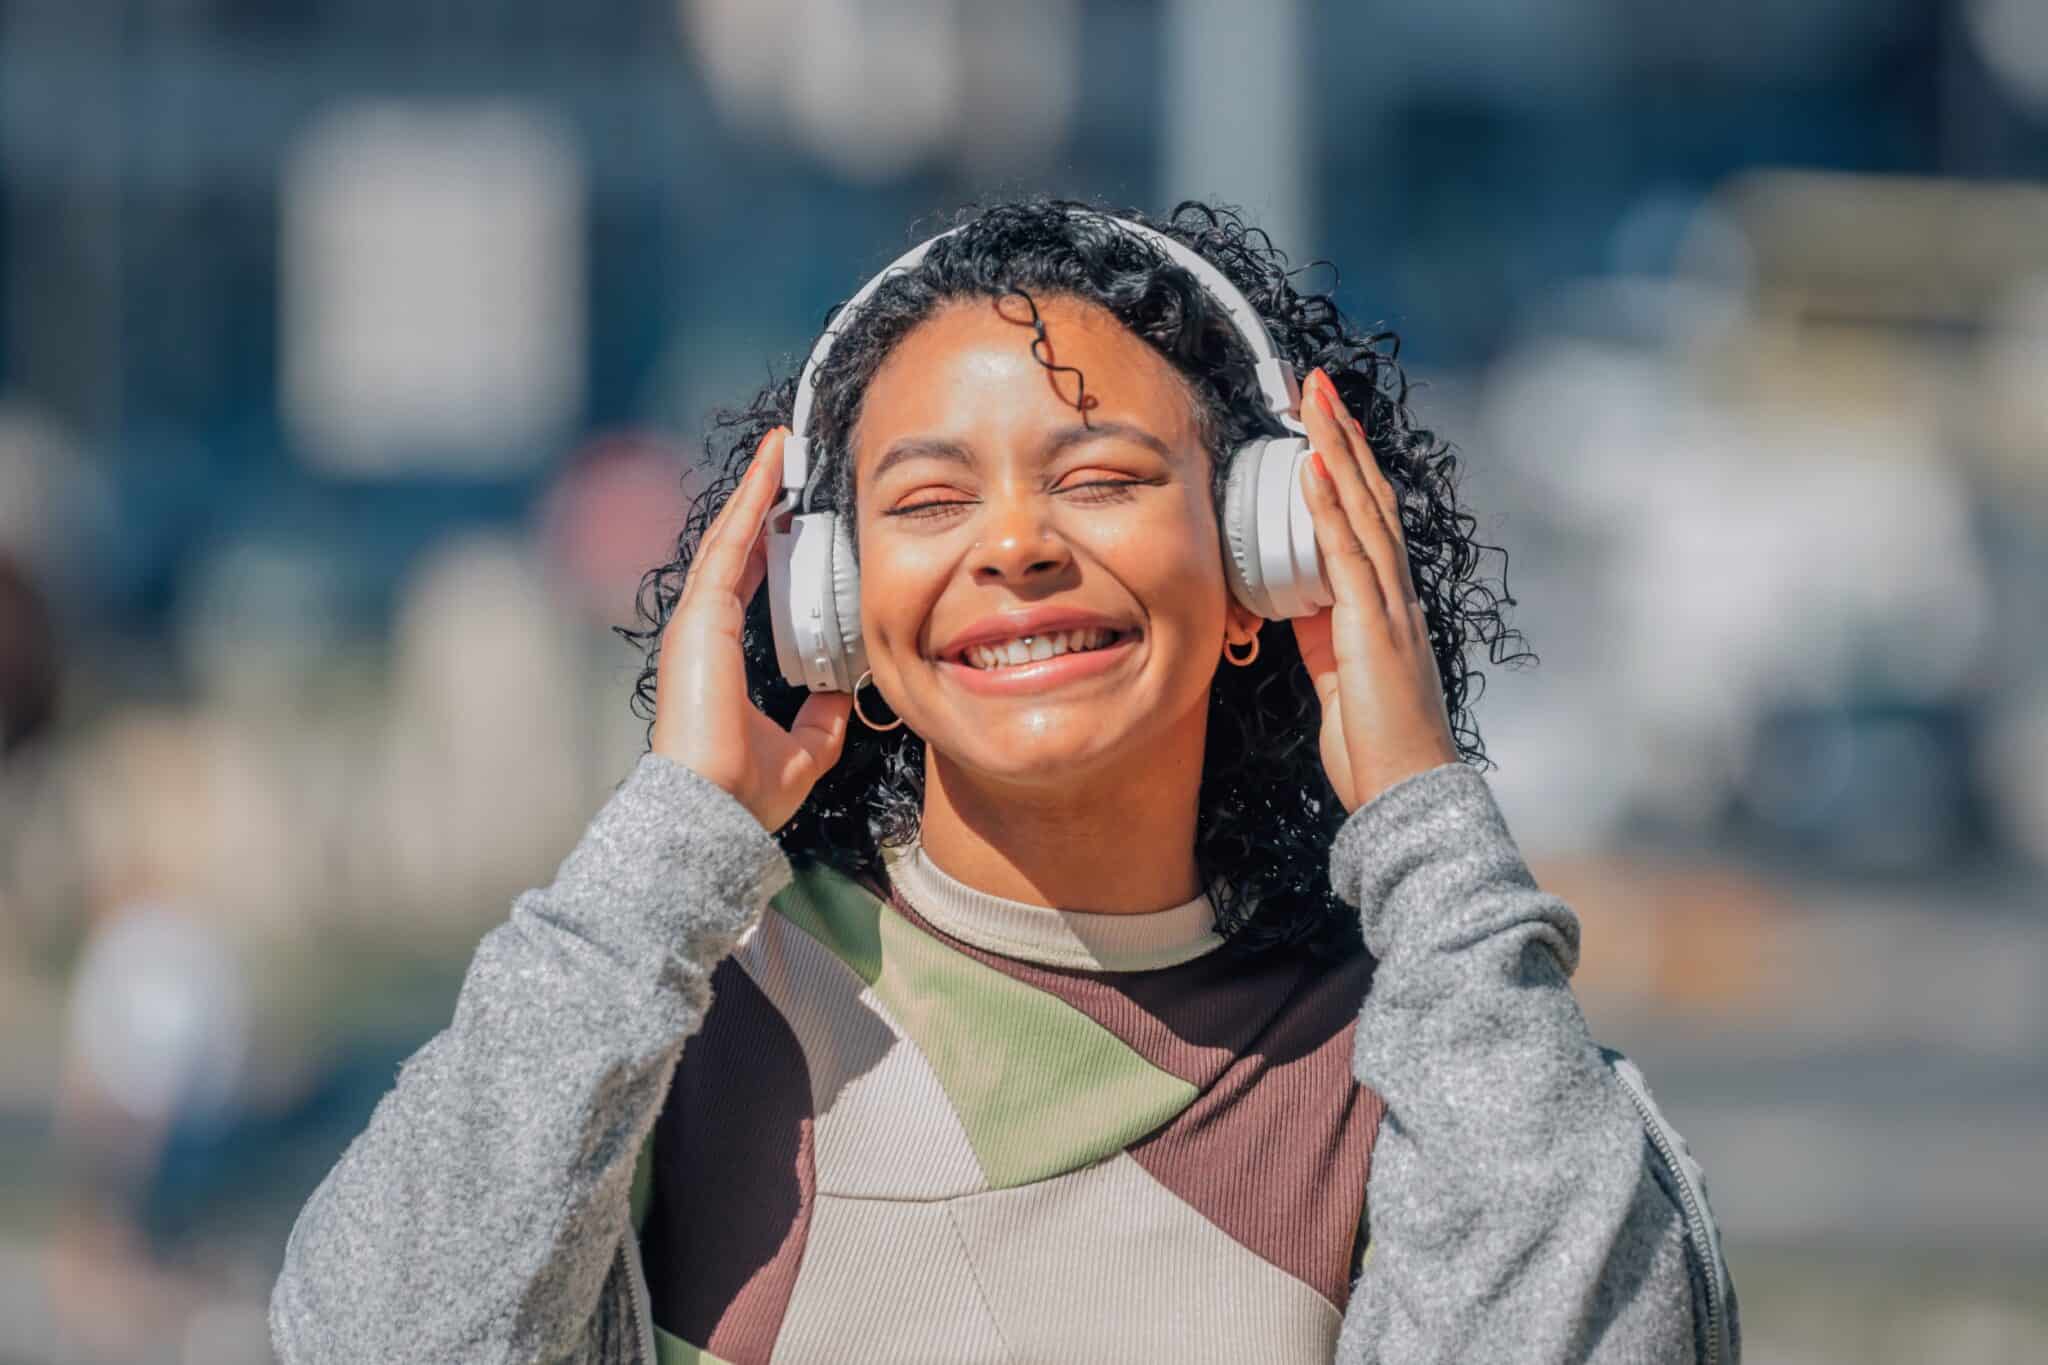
<point>1157,984</point>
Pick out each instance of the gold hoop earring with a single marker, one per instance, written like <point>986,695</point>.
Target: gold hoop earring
<point>1247,658</point>
<point>868,676</point>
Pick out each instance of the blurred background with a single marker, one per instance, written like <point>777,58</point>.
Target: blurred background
<point>355,356</point>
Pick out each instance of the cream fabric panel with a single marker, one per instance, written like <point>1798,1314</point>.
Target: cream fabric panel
<point>883,1127</point>
<point>1108,1264</point>
<point>887,1281</point>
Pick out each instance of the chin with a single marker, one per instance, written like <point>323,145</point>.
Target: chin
<point>1035,748</point>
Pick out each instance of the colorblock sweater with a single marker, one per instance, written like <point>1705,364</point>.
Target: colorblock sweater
<point>984,1130</point>
<point>1099,1184</point>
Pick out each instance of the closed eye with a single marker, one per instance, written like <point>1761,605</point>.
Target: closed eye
<point>1094,490</point>
<point>933,507</point>
<point>1108,490</point>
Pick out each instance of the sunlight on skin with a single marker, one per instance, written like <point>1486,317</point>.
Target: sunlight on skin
<point>1081,793</point>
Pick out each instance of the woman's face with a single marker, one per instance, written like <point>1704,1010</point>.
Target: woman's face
<point>990,512</point>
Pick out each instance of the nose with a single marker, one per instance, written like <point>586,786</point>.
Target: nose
<point>1018,545</point>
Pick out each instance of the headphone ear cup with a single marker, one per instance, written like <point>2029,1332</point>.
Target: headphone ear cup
<point>1240,531</point>
<point>1271,533</point>
<point>845,598</point>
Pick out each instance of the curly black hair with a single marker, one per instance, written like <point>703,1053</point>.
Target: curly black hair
<point>1267,810</point>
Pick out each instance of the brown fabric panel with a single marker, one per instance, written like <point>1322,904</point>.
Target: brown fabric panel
<point>1192,1019</point>
<point>1188,1020</point>
<point>734,1178</point>
<point>1276,1148</point>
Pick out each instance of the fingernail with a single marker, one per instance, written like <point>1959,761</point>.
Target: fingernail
<point>1322,392</point>
<point>1315,459</point>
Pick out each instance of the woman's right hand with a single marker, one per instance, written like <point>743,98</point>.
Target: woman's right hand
<point>703,717</point>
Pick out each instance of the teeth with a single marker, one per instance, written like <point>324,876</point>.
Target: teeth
<point>1031,648</point>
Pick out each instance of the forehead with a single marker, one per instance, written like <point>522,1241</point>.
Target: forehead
<point>970,370</point>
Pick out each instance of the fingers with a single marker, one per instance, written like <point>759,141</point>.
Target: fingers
<point>1367,459</point>
<point>1346,519</point>
<point>755,571</point>
<point>726,552</point>
<point>1318,653</point>
<point>1354,578</point>
<point>1382,488</point>
<point>819,731</point>
<point>1362,490</point>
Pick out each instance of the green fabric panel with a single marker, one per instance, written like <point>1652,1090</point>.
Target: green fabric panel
<point>643,1182</point>
<point>838,912</point>
<point>1062,1092</point>
<point>670,1349</point>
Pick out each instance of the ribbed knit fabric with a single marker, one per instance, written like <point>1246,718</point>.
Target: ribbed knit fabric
<point>922,1123</point>
<point>1088,940</point>
<point>887,1143</point>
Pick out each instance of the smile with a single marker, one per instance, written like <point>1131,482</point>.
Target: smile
<point>1042,662</point>
<point>1029,649</point>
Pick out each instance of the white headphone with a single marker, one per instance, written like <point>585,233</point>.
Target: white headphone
<point>1274,567</point>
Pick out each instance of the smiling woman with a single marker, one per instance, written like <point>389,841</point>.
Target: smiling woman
<point>1033,524</point>
<point>1160,985</point>
<point>1096,367</point>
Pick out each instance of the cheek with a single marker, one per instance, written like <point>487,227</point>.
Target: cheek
<point>899,582</point>
<point>1174,563</point>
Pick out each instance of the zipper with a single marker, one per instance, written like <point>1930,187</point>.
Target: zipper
<point>636,1282</point>
<point>1698,1225</point>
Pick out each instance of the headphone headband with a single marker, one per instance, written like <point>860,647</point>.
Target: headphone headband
<point>1268,537</point>
<point>1278,385</point>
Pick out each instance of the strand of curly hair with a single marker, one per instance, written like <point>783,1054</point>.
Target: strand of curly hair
<point>1267,812</point>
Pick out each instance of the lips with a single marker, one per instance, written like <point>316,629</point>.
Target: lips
<point>1001,628</point>
<point>1040,675</point>
<point>1027,649</point>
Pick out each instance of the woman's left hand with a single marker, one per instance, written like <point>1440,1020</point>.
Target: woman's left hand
<point>1369,654</point>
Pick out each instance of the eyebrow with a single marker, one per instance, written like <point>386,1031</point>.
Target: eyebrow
<point>1066,438</point>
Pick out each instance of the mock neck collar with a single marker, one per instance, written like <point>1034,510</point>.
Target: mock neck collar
<point>1083,939</point>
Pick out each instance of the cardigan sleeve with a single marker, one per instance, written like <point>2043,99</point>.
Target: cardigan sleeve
<point>1521,1205</point>
<point>477,1216</point>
